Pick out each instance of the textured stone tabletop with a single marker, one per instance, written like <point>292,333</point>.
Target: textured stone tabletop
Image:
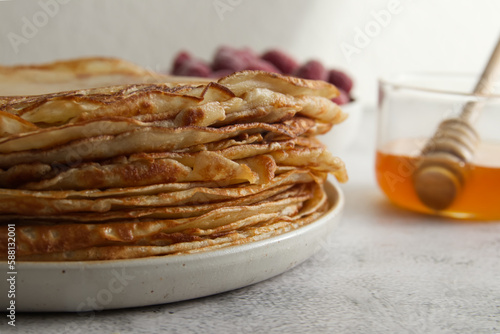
<point>384,270</point>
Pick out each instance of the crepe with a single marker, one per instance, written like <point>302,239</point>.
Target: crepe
<point>254,163</point>
<point>220,227</point>
<point>75,74</point>
<point>101,159</point>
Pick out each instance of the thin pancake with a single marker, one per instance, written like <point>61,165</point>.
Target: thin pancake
<point>76,74</point>
<point>255,163</point>
<point>144,138</point>
<point>64,243</point>
<point>41,203</point>
<point>179,211</point>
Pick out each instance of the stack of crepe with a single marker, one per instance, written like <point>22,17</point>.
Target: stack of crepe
<point>153,168</point>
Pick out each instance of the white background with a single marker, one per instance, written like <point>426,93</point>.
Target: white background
<point>446,35</point>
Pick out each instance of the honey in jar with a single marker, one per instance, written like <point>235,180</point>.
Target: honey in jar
<point>479,198</point>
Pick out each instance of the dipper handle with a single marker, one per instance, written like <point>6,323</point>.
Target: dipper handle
<point>472,109</point>
<point>440,174</point>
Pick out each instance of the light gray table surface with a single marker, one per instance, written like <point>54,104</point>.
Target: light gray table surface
<point>383,270</point>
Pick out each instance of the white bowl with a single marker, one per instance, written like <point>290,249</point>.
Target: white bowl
<point>342,135</point>
<point>96,285</point>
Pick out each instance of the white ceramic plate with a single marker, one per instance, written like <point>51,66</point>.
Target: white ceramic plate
<point>97,285</point>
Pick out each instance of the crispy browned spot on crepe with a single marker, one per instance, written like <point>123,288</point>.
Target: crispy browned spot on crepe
<point>157,165</point>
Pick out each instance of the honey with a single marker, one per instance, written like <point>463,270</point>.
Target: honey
<point>478,199</point>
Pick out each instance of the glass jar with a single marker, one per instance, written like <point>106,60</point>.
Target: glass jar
<point>411,106</point>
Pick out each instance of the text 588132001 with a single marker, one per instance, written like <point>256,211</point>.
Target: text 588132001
<point>11,273</point>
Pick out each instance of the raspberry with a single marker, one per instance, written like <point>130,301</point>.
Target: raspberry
<point>340,80</point>
<point>282,61</point>
<point>246,54</point>
<point>313,70</point>
<point>194,68</point>
<point>343,97</point>
<point>262,65</point>
<point>179,60</point>
<point>227,58</point>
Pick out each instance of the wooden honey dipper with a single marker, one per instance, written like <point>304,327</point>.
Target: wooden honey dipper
<point>439,176</point>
